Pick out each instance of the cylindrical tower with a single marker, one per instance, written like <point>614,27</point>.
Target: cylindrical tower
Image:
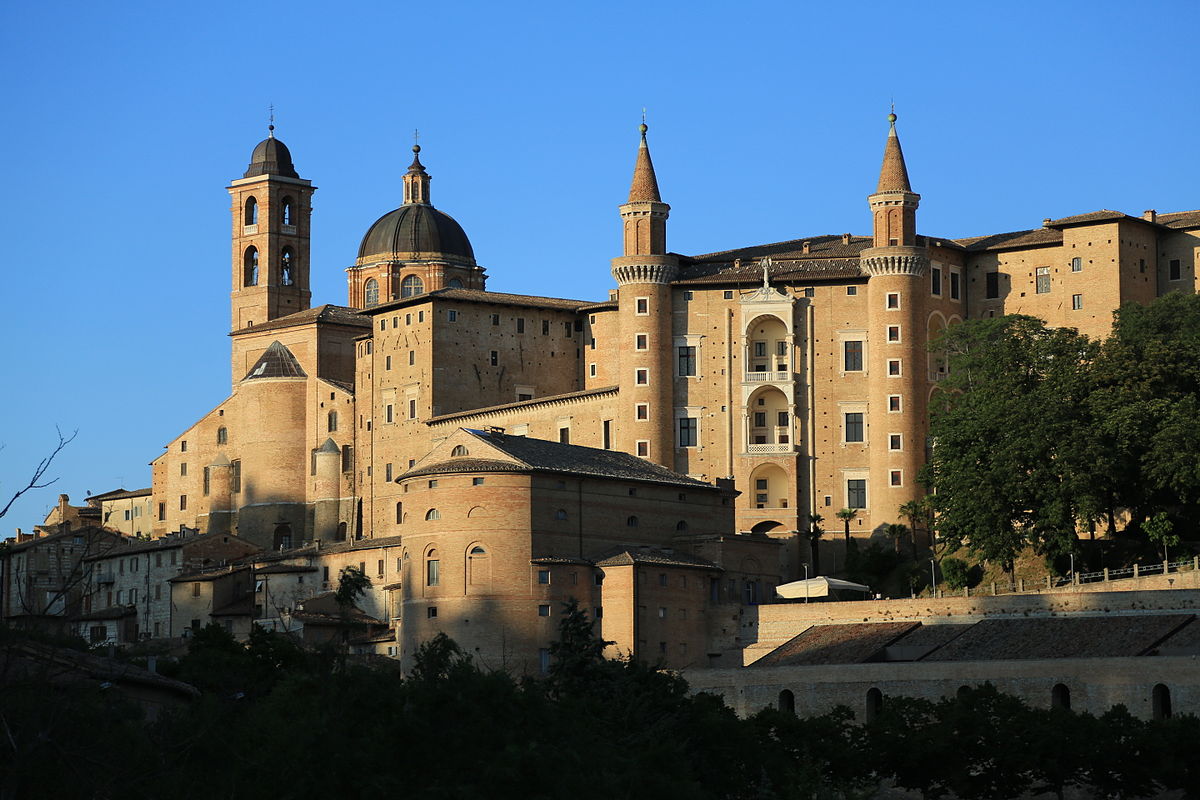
<point>644,274</point>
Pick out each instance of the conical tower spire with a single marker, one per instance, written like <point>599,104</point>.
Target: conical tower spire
<point>416,180</point>
<point>644,188</point>
<point>893,176</point>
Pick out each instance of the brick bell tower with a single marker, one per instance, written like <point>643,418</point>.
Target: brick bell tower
<point>896,362</point>
<point>644,273</point>
<point>272,208</point>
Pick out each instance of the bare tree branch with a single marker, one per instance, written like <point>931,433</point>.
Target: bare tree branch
<point>39,472</point>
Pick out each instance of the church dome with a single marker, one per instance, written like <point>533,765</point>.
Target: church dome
<point>271,157</point>
<point>415,228</point>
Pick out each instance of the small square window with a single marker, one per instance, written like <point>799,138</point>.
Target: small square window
<point>893,333</point>
<point>452,316</point>
<point>895,441</point>
<point>642,377</point>
<point>1077,264</point>
<point>544,610</point>
<point>431,612</point>
<point>640,341</point>
<point>893,300</point>
<point>495,319</point>
<point>477,481</point>
<point>851,291</point>
<point>893,366</point>
<point>643,306</point>
<point>433,484</point>
<point>544,577</point>
<point>896,477</point>
<point>810,291</point>
<point>894,403</point>
<point>1076,302</point>
<point>643,449</point>
<point>642,411</point>
<point>727,295</point>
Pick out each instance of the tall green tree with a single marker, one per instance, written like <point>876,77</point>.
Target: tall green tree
<point>846,515</point>
<point>1006,470</point>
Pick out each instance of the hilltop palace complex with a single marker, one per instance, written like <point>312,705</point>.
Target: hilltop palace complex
<point>655,454</point>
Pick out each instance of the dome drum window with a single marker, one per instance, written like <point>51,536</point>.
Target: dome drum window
<point>371,293</point>
<point>411,286</point>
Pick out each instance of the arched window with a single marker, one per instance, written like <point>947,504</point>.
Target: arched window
<point>787,701</point>
<point>455,283</point>
<point>1161,699</point>
<point>399,513</point>
<point>560,514</point>
<point>411,286</point>
<point>222,435</point>
<point>874,704</point>
<point>251,211</point>
<point>459,451</point>
<point>332,421</point>
<point>681,526</point>
<point>287,267</point>
<point>288,215</point>
<point>250,267</point>
<point>1060,697</point>
<point>632,522</point>
<point>432,513</point>
<point>371,293</point>
<point>340,536</point>
<point>433,568</point>
<point>479,566</point>
<point>283,537</point>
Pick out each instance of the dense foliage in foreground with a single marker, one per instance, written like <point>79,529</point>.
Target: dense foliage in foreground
<point>278,721</point>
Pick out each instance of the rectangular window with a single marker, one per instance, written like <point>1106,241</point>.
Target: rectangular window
<point>452,316</point>
<point>991,285</point>
<point>895,441</point>
<point>545,327</point>
<point>412,409</point>
<point>781,419</point>
<point>1076,302</point>
<point>544,660</point>
<point>183,469</point>
<point>851,291</point>
<point>495,319</point>
<point>1173,272</point>
<point>195,590</point>
<point>235,475</point>
<point>591,370</point>
<point>379,568</point>
<point>760,349</point>
<point>727,294</point>
<point>854,426</point>
<point>494,358</point>
<point>1043,280</point>
<point>183,502</point>
<point>935,281</point>
<point>433,572</point>
<point>687,431</point>
<point>1077,264</point>
<point>810,291</point>
<point>477,481</point>
<point>544,610</point>
<point>893,332</point>
<point>687,361</point>
<point>856,493</point>
<point>520,324</point>
<point>207,482</point>
<point>893,301</point>
<point>760,419</point>
<point>641,411</point>
<point>853,356</point>
<point>544,577</point>
<point>643,448</point>
<point>893,366</point>
<point>387,472</point>
<point>896,477</point>
<point>642,377</point>
<point>606,434</point>
<point>643,306</point>
<point>183,446</point>
<point>564,435</point>
<point>431,612</point>
<point>389,413</point>
<point>954,285</point>
<point>640,341</point>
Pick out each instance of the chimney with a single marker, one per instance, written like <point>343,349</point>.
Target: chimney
<point>845,238</point>
<point>1046,222</point>
<point>806,248</point>
<point>1150,215</point>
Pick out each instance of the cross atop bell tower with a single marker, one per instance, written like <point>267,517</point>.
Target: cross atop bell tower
<point>271,209</point>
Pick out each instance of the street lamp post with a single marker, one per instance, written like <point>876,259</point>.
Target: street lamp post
<point>933,575</point>
<point>806,581</point>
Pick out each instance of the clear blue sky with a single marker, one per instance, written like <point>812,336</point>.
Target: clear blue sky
<point>124,122</point>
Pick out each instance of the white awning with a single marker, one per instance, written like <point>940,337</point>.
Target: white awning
<point>817,587</point>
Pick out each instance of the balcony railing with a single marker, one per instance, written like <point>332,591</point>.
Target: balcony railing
<point>104,578</point>
<point>762,449</point>
<point>768,377</point>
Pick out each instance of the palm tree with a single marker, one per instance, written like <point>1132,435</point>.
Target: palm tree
<point>896,532</point>
<point>845,515</point>
<point>919,514</point>
<point>814,534</point>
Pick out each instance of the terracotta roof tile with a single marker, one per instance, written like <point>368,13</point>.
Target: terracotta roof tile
<point>1060,637</point>
<point>327,314</point>
<point>836,644</point>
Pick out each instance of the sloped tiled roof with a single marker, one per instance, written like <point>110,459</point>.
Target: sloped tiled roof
<point>541,455</point>
<point>1180,219</point>
<point>1060,637</point>
<point>1012,239</point>
<point>276,362</point>
<point>478,296</point>
<point>628,556</point>
<point>836,644</point>
<point>120,494</point>
<point>326,314</point>
<point>524,403</point>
